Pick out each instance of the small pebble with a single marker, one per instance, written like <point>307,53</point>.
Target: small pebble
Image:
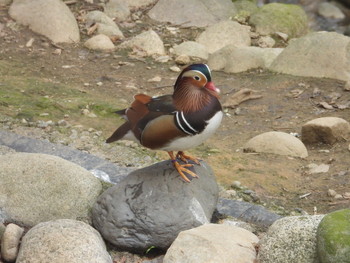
<point>236,184</point>
<point>331,192</point>
<point>175,69</point>
<point>346,195</point>
<point>62,123</point>
<point>338,196</point>
<point>155,79</point>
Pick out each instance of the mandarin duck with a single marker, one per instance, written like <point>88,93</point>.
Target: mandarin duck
<point>175,122</point>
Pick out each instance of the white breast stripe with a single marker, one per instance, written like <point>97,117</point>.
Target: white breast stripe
<point>179,123</point>
<point>188,125</point>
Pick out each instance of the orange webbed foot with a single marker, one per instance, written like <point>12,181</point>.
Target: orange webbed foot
<point>182,168</point>
<point>185,158</point>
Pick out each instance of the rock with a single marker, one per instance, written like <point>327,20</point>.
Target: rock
<point>5,2</point>
<point>2,228</point>
<point>117,9</point>
<point>316,169</point>
<point>333,237</point>
<point>51,18</point>
<point>10,242</point>
<point>137,4</point>
<point>331,192</point>
<point>48,188</point>
<point>277,143</point>
<point>90,162</point>
<point>181,12</point>
<point>175,69</point>
<point>63,240</point>
<point>247,212</point>
<point>148,42</point>
<point>224,33</point>
<point>212,243</point>
<point>309,56</point>
<point>245,9</point>
<point>276,17</point>
<point>266,42</point>
<point>325,130</point>
<point>191,49</point>
<point>182,60</point>
<point>152,205</point>
<point>105,25</point>
<point>330,10</point>
<point>234,59</point>
<point>290,239</point>
<point>100,42</point>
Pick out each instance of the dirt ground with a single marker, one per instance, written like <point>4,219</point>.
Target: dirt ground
<point>287,103</point>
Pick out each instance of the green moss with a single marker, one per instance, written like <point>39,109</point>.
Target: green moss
<point>333,237</point>
<point>276,17</point>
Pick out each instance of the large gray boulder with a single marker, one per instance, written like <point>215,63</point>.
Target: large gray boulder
<point>39,187</point>
<point>213,243</point>
<point>152,205</point>
<point>63,240</point>
<point>319,54</point>
<point>198,13</point>
<point>51,18</point>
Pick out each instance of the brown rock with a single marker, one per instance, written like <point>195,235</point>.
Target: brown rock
<point>325,130</point>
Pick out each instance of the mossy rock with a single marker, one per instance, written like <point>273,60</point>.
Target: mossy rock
<point>333,237</point>
<point>245,9</point>
<point>276,17</point>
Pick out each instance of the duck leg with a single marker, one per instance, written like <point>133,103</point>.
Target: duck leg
<point>185,158</point>
<point>181,168</point>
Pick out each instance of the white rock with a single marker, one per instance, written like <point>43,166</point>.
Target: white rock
<point>175,69</point>
<point>63,240</point>
<point>51,18</point>
<point>213,243</point>
<point>316,169</point>
<point>310,56</point>
<point>148,41</point>
<point>99,42</point>
<point>234,59</point>
<point>182,60</point>
<point>155,79</point>
<point>325,130</point>
<point>198,13</point>
<point>105,25</point>
<point>191,49</point>
<point>10,242</point>
<point>224,33</point>
<point>331,192</point>
<point>330,10</point>
<point>277,143</point>
<point>48,188</point>
<point>290,239</point>
<point>117,9</point>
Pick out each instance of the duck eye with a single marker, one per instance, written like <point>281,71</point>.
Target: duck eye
<point>197,78</point>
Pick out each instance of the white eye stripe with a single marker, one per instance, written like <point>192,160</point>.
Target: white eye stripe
<point>199,74</point>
